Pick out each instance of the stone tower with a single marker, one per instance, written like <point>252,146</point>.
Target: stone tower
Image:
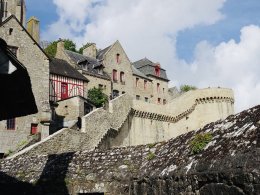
<point>13,7</point>
<point>33,27</point>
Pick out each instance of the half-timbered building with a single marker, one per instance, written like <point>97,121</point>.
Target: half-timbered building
<point>65,81</point>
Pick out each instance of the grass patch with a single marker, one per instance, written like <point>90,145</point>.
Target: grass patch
<point>199,142</point>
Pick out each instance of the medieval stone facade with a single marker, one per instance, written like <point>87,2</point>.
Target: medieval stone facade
<point>141,109</point>
<point>13,132</point>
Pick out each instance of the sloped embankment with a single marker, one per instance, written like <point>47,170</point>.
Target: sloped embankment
<point>229,164</point>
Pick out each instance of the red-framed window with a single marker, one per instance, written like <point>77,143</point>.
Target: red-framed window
<point>34,129</point>
<point>114,75</point>
<point>122,77</point>
<point>64,91</point>
<point>10,124</point>
<point>157,70</point>
<point>145,84</point>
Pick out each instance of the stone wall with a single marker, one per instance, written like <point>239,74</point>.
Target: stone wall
<point>71,108</point>
<point>96,127</point>
<point>140,90</point>
<point>150,123</point>
<point>160,92</point>
<point>123,65</point>
<point>229,164</point>
<point>37,65</point>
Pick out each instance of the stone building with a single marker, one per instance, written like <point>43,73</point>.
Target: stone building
<point>119,67</point>
<point>88,66</point>
<point>159,81</point>
<point>142,108</point>
<point>13,7</point>
<point>67,96</point>
<point>15,131</point>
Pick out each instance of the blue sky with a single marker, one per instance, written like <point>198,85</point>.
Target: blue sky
<point>199,42</point>
<point>238,13</point>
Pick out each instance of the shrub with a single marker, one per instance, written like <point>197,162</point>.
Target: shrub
<point>150,156</point>
<point>199,142</point>
<point>97,97</point>
<point>185,88</point>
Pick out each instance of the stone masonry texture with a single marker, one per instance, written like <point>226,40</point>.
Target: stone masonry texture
<point>229,164</point>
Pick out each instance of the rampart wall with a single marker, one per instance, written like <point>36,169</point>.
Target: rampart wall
<point>151,123</point>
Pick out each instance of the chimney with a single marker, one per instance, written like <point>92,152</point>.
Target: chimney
<point>90,50</point>
<point>60,49</point>
<point>33,27</point>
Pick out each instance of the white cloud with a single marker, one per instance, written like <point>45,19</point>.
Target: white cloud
<point>148,28</point>
<point>230,64</point>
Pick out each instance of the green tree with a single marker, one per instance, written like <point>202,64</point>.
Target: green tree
<point>97,96</point>
<point>52,48</point>
<point>185,88</point>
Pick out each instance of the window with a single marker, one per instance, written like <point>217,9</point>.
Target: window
<point>137,97</point>
<point>115,75</point>
<point>122,77</point>
<point>136,82</point>
<point>158,87</point>
<point>64,91</point>
<point>118,58</point>
<point>146,99</point>
<point>163,90</point>
<point>115,93</point>
<point>159,101</point>
<point>157,69</point>
<point>123,92</point>
<point>10,31</point>
<point>100,71</point>
<point>145,84</point>
<point>34,129</point>
<point>164,101</point>
<point>10,124</point>
<point>100,86</point>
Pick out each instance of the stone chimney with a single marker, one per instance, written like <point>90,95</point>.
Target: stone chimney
<point>33,27</point>
<point>90,50</point>
<point>60,49</point>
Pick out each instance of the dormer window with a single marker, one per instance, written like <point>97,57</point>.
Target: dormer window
<point>157,69</point>
<point>100,70</point>
<point>118,58</point>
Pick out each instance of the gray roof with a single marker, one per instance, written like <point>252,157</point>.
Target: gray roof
<point>91,63</point>
<point>140,74</point>
<point>146,66</point>
<point>101,53</point>
<point>63,68</point>
<point>143,62</point>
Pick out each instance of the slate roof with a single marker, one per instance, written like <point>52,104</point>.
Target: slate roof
<point>139,73</point>
<point>146,66</point>
<point>63,68</point>
<point>101,53</point>
<point>91,64</point>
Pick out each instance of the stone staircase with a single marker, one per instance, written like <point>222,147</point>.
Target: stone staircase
<point>101,123</point>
